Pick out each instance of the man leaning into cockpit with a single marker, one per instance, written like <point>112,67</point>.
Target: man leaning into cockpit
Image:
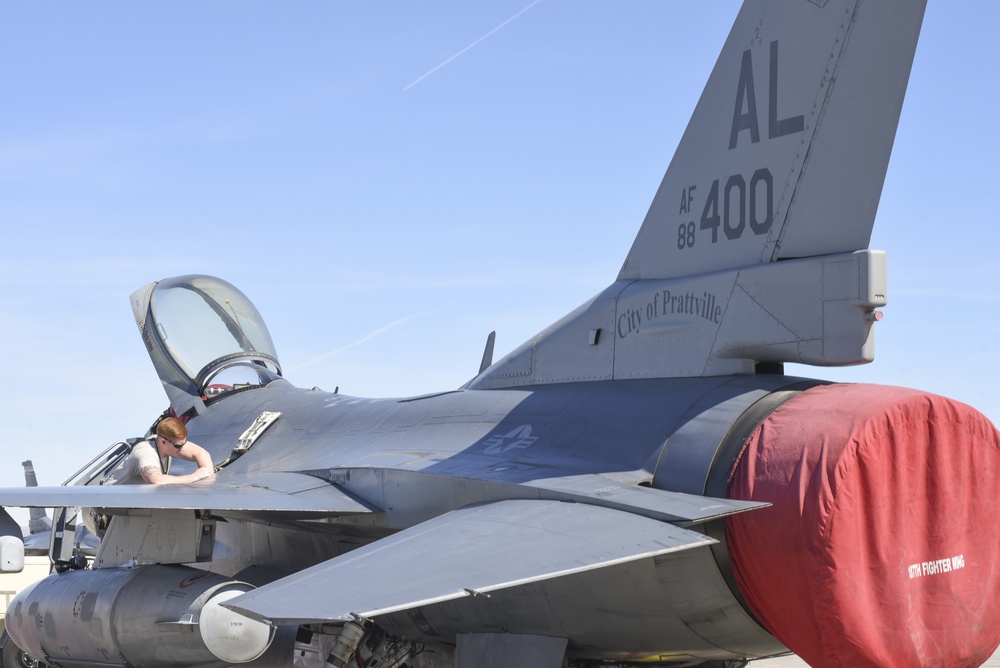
<point>149,461</point>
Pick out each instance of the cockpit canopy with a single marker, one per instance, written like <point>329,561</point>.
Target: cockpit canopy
<point>205,339</point>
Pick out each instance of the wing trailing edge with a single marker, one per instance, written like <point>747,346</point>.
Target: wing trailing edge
<point>443,493</point>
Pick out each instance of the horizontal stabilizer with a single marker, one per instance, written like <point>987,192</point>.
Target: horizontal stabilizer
<point>263,492</point>
<point>466,552</point>
<point>654,503</point>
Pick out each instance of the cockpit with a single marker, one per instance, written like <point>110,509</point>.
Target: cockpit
<point>205,338</point>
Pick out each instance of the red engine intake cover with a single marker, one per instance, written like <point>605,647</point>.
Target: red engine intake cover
<point>881,547</point>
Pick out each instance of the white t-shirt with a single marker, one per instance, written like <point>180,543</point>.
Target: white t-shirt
<point>143,454</point>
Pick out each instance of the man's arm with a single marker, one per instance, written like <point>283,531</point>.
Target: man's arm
<point>151,474</point>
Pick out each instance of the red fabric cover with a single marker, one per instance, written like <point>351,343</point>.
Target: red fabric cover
<point>881,548</point>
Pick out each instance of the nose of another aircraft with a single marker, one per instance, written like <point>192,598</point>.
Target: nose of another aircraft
<point>884,503</point>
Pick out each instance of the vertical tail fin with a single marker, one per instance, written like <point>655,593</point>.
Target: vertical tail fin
<point>787,149</point>
<point>38,521</point>
<point>783,159</point>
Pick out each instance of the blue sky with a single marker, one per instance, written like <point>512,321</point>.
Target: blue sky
<point>390,181</point>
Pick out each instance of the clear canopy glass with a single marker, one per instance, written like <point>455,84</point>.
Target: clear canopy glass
<point>213,333</point>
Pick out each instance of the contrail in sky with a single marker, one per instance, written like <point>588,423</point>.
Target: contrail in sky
<point>432,71</point>
<point>367,337</point>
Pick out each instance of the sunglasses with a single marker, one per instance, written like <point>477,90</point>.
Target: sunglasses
<point>176,445</point>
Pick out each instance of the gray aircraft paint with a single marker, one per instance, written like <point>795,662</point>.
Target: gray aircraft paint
<point>543,499</point>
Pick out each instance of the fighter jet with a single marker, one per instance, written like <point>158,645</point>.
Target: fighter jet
<point>638,484</point>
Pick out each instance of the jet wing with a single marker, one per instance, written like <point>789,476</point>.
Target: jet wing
<point>466,552</point>
<point>260,492</point>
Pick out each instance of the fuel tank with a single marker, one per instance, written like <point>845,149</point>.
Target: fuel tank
<point>146,617</point>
